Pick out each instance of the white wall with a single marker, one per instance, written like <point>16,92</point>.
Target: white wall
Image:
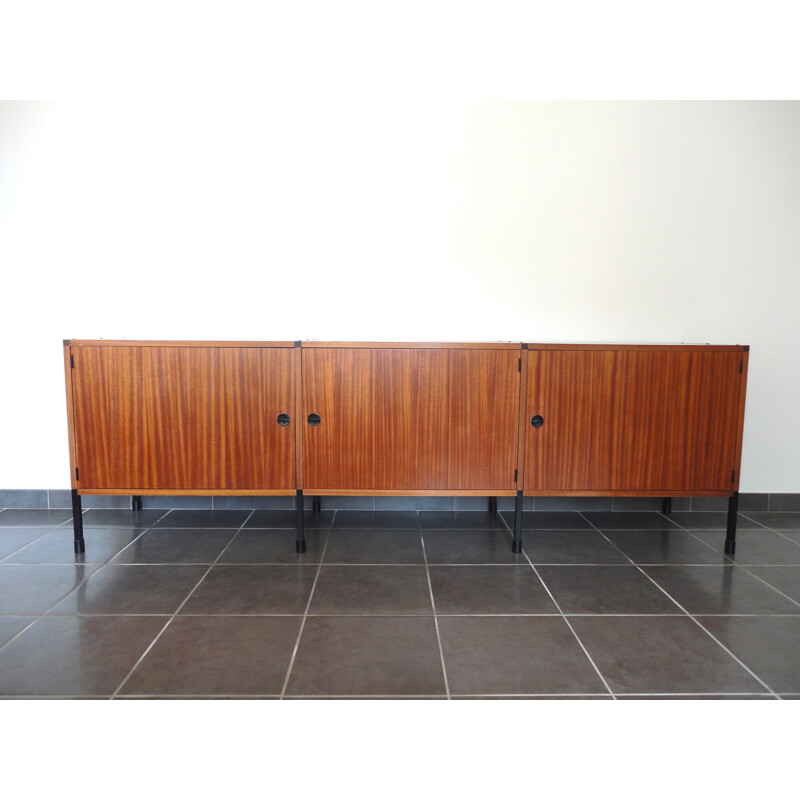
<point>660,222</point>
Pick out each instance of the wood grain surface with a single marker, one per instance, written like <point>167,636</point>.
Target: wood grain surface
<point>615,420</point>
<point>183,417</point>
<point>410,419</point>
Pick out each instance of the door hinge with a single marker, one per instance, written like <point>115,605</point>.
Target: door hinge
<point>519,365</point>
<point>71,361</point>
<point>77,474</point>
<point>733,475</point>
<point>515,475</point>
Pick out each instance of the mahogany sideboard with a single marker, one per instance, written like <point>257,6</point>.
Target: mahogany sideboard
<point>404,418</point>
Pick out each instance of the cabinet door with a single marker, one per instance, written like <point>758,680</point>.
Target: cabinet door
<point>171,417</point>
<point>631,420</point>
<point>410,419</point>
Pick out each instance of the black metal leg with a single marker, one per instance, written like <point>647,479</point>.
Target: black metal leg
<point>301,536</point>
<point>733,510</point>
<point>316,504</point>
<point>666,505</point>
<point>492,505</point>
<point>77,522</point>
<point>136,502</point>
<point>517,546</point>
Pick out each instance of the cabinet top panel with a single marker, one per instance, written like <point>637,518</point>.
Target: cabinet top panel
<point>705,347</point>
<point>160,343</point>
<point>417,345</point>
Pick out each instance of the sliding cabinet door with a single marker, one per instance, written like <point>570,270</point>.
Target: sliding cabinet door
<point>184,418</point>
<point>426,419</point>
<point>638,420</point>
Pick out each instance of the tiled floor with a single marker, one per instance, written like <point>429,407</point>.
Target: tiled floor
<point>413,604</point>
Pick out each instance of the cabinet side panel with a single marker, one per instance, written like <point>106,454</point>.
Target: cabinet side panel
<point>70,415</point>
<point>184,418</point>
<point>394,419</point>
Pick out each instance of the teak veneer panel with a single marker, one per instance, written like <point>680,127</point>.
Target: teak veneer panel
<point>410,419</point>
<point>190,418</point>
<point>658,420</point>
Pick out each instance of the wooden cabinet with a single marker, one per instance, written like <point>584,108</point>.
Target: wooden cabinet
<point>171,418</point>
<point>398,419</point>
<point>337,418</point>
<point>622,420</point>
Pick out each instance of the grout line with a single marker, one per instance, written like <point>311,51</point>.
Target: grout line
<point>435,618</point>
<point>305,613</point>
<point>564,617</point>
<point>177,610</point>
<point>691,617</point>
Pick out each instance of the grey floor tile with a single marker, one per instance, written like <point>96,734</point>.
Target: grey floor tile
<point>572,503</point>
<point>720,590</point>
<point>58,546</point>
<point>176,546</point>
<point>769,646</point>
<point>515,655</point>
<point>784,502</point>
<point>133,589</point>
<point>388,520</point>
<point>74,655</point>
<point>11,626</point>
<point>784,579</point>
<point>395,503</point>
<point>460,520</point>
<point>605,590</point>
<point>166,502</point>
<point>379,656</point>
<point>628,520</point>
<point>217,656</point>
<point>570,547</point>
<point>33,588</point>
<point>753,502</point>
<point>274,546</point>
<point>34,517</point>
<point>660,655</point>
<point>470,547</point>
<point>776,520</point>
<point>711,521</point>
<point>288,519</point>
<point>12,539</point>
<point>756,547</point>
<point>369,590</point>
<point>24,498</point>
<point>264,502</point>
<point>253,589</point>
<point>489,590</point>
<point>374,547</point>
<point>200,518</point>
<point>120,517</point>
<point>549,520</point>
<point>666,547</point>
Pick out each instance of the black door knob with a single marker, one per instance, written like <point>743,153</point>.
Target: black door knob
<point>537,421</point>
<point>313,419</point>
<point>284,420</point>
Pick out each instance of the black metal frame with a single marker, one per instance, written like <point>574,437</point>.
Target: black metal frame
<point>516,546</point>
<point>730,537</point>
<point>77,522</point>
<point>301,533</point>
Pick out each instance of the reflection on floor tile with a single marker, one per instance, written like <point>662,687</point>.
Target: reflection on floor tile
<point>660,654</point>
